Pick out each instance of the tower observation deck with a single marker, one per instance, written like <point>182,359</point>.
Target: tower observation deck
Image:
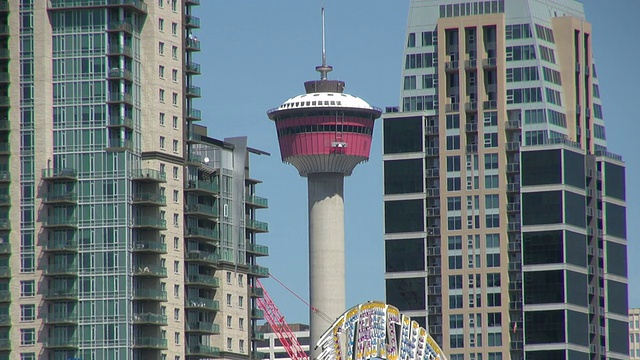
<point>325,133</point>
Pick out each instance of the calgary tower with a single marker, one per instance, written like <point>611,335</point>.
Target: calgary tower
<point>325,133</point>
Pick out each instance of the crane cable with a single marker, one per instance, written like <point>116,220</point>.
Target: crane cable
<point>324,316</point>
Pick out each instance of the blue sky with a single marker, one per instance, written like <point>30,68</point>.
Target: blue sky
<point>256,54</point>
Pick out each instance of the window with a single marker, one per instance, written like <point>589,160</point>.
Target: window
<point>494,339</point>
<point>161,71</point>
<point>494,299</point>
<point>229,321</point>
<point>453,163</point>
<point>176,195</point>
<point>162,168</point>
<point>241,323</point>
<point>491,182</point>
<point>228,274</point>
<point>409,82</point>
<point>229,300</point>
<point>175,173</point>
<point>27,288</point>
<point>453,142</point>
<point>161,4</point>
<point>174,29</point>
<point>493,221</point>
<point>490,161</point>
<point>161,118</point>
<point>176,267</point>
<point>175,122</point>
<point>241,280</point>
<point>28,356</point>
<point>174,75</point>
<point>454,203</point>
<point>175,146</point>
<point>493,241</point>
<point>174,52</point>
<point>241,345</point>
<point>492,201</point>
<point>161,95</point>
<point>174,5</point>
<point>456,321</point>
<point>27,337</point>
<point>176,314</point>
<point>455,242</point>
<point>27,312</point>
<point>453,184</point>
<point>493,279</point>
<point>176,243</point>
<point>162,142</point>
<point>174,99</point>
<point>161,48</point>
<point>494,319</point>
<point>453,121</point>
<point>455,302</point>
<point>490,140</point>
<point>176,220</point>
<point>455,262</point>
<point>456,341</point>
<point>241,301</point>
<point>455,282</point>
<point>176,291</point>
<point>229,342</point>
<point>495,356</point>
<point>176,338</point>
<point>493,260</point>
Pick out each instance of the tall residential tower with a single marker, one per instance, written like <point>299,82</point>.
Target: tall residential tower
<point>126,232</point>
<point>325,133</point>
<point>504,212</point>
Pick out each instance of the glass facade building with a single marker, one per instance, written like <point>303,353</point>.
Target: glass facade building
<point>125,231</point>
<point>505,219</point>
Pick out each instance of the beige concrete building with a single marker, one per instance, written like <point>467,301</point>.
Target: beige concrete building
<point>504,212</point>
<point>634,333</point>
<point>127,232</point>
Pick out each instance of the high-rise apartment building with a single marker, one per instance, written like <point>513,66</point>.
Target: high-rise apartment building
<point>634,333</point>
<point>505,229</point>
<point>127,232</point>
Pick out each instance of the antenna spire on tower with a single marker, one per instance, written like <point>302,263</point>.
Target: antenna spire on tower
<point>323,69</point>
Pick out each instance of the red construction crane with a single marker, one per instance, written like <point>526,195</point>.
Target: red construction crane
<point>279,326</point>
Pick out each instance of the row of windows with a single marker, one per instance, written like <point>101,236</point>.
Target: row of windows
<point>490,182</point>
<point>553,96</point>
<point>493,339</point>
<point>557,118</point>
<point>529,73</point>
<point>454,242</point>
<point>429,81</point>
<point>174,50</point>
<point>492,221</point>
<point>545,33</point>
<point>547,54</point>
<point>598,132</point>
<point>456,283</point>
<point>552,76</point>
<point>518,31</point>
<point>355,129</point>
<point>526,95</point>
<point>419,103</point>
<point>472,8</point>
<point>419,61</point>
<point>493,300</point>
<point>521,52</point>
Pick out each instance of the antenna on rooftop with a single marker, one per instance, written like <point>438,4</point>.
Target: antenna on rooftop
<point>323,69</point>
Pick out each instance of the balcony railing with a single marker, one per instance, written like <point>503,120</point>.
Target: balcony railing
<point>5,295</point>
<point>125,26</point>
<point>192,68</point>
<point>204,280</point>
<point>149,270</point>
<point>150,342</point>
<point>120,97</point>
<point>256,292</point>
<point>203,186</point>
<point>61,245</point>
<point>150,222</point>
<point>257,314</point>
<point>207,234</point>
<point>490,105</point>
<point>193,91</point>
<point>59,293</point>
<point>205,327</point>
<point>120,50</point>
<point>149,246</point>
<point>257,225</point>
<point>194,114</point>
<point>123,144</point>
<point>259,270</point>
<point>202,209</point>
<point>61,342</point>
<point>60,221</point>
<point>149,294</point>
<point>149,175</point>
<point>61,318</point>
<point>257,201</point>
<point>258,249</point>
<point>120,74</point>
<point>198,302</point>
<point>121,121</point>
<point>191,21</point>
<point>149,318</point>
<point>203,350</point>
<point>489,63</point>
<point>192,45</point>
<point>59,173</point>
<point>137,5</point>
<point>61,269</point>
<point>204,256</point>
<point>68,197</point>
<point>149,198</point>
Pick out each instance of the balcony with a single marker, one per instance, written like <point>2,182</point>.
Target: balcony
<point>120,98</point>
<point>61,198</point>
<point>515,246</point>
<point>149,199</point>
<point>117,74</point>
<point>146,222</point>
<point>120,145</point>
<point>5,101</point>
<point>59,174</point>
<point>433,231</point>
<point>192,68</point>
<point>192,2</point>
<point>513,187</point>
<point>61,269</point>
<point>513,207</point>
<point>490,105</point>
<point>5,54</point>
<point>513,125</point>
<point>192,45</point>
<point>432,173</point>
<point>149,319</point>
<point>490,63</point>
<point>513,167</point>
<point>206,257</point>
<point>61,294</point>
<point>150,246</point>
<point>203,186</point>
<point>472,149</point>
<point>257,201</point>
<point>118,26</point>
<point>149,175</point>
<point>5,200</point>
<point>431,130</point>
<point>5,176</point>
<point>515,286</point>
<point>452,107</point>
<point>150,343</point>
<point>5,295</point>
<point>432,192</point>
<point>65,245</point>
<point>119,50</point>
<point>5,125</point>
<point>120,121</point>
<point>149,295</point>
<point>202,280</point>
<point>5,78</point>
<point>57,318</point>
<point>149,271</point>
<point>513,146</point>
<point>194,114</point>
<point>257,335</point>
<point>201,210</point>
<point>514,226</point>
<point>256,292</point>
<point>5,320</point>
<point>259,271</point>
<point>5,345</point>
<point>257,226</point>
<point>4,6</point>
<point>60,222</point>
<point>193,91</point>
<point>451,66</point>
<point>136,5</point>
<point>432,152</point>
<point>4,30</point>
<point>202,303</point>
<point>257,314</point>
<point>203,351</point>
<point>471,64</point>
<point>5,149</point>
<point>5,224</point>
<point>61,342</point>
<point>471,127</point>
<point>203,327</point>
<point>259,250</point>
<point>202,233</point>
<point>191,21</point>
